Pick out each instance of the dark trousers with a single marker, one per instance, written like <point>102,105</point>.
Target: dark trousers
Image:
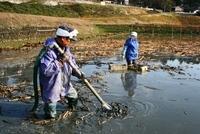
<point>130,62</point>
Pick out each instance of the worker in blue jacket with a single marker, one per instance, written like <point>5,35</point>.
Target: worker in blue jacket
<point>130,49</point>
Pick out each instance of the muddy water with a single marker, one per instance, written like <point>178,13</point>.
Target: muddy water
<point>159,101</point>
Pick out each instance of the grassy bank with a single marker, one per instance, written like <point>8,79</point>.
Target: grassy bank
<point>71,10</point>
<point>19,23</point>
<point>31,36</point>
<point>161,30</point>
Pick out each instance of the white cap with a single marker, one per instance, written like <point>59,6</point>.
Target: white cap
<point>134,34</point>
<point>64,31</point>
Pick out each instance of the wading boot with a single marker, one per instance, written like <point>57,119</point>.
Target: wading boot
<point>72,103</point>
<point>50,110</point>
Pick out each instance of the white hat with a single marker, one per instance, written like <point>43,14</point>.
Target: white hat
<point>134,34</point>
<point>65,31</point>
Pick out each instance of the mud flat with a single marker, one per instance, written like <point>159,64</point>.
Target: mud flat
<point>167,92</point>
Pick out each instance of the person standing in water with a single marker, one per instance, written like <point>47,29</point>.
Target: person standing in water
<point>55,72</point>
<point>130,49</point>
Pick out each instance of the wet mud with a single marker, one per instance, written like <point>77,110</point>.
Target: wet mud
<point>17,94</point>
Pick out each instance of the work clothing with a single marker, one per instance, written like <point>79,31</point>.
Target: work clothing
<point>55,78</point>
<point>130,49</point>
<point>50,110</point>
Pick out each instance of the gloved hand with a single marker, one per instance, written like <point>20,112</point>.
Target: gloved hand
<point>74,73</point>
<point>82,76</point>
<point>123,56</point>
<point>62,59</point>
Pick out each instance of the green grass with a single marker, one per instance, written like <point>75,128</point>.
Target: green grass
<point>17,38</point>
<point>117,31</point>
<point>149,29</point>
<point>18,43</point>
<point>72,10</point>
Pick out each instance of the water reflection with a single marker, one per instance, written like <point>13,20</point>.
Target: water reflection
<point>16,74</point>
<point>188,60</point>
<point>175,103</point>
<point>129,81</point>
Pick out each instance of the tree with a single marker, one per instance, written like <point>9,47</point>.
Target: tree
<point>167,5</point>
<point>191,5</point>
<point>178,2</point>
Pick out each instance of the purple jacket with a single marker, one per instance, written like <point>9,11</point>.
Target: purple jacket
<point>54,79</point>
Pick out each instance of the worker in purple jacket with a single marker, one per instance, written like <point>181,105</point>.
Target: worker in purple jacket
<point>55,73</point>
<point>130,49</point>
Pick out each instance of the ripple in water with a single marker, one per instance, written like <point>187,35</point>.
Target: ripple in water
<point>143,108</point>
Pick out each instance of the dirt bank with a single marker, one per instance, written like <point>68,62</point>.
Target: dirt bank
<point>85,24</point>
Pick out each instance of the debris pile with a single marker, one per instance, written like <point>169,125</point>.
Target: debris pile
<point>14,93</point>
<point>118,111</point>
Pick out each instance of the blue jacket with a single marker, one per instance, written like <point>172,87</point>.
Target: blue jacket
<point>130,50</point>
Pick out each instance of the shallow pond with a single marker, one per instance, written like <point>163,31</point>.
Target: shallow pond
<point>159,101</point>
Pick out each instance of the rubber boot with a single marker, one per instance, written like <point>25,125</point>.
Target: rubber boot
<point>50,110</point>
<point>72,103</point>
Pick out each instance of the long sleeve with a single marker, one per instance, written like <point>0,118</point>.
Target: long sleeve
<point>49,65</point>
<point>124,50</point>
<point>125,47</point>
<point>72,60</point>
